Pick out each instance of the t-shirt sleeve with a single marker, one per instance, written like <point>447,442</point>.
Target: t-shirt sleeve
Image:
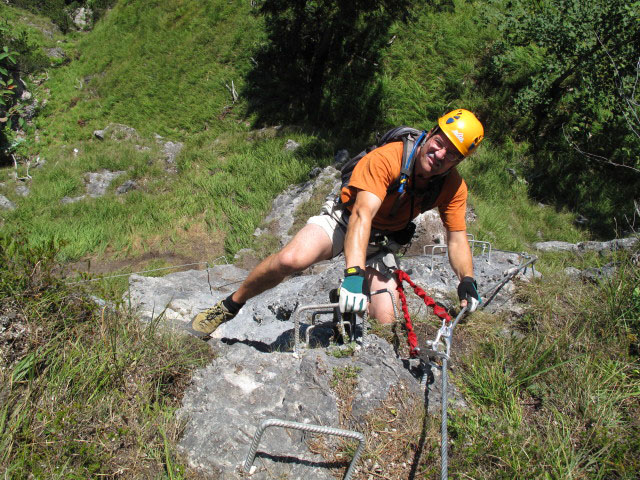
<point>375,171</point>
<point>452,203</point>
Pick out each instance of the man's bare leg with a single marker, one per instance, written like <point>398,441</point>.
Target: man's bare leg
<point>380,306</point>
<point>310,245</point>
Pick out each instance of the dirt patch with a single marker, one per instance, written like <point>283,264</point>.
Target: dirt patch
<point>188,246</point>
<point>401,442</point>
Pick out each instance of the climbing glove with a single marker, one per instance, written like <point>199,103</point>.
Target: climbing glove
<point>352,296</point>
<point>468,290</point>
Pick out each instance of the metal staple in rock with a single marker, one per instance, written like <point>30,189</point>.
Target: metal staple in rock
<point>274,422</point>
<point>321,306</point>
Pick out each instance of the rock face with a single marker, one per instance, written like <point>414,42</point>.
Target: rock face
<point>256,375</point>
<point>281,217</point>
<point>243,387</point>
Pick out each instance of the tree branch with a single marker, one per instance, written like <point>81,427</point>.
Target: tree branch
<point>593,156</point>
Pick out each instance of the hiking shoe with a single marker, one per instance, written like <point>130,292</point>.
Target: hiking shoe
<point>205,323</point>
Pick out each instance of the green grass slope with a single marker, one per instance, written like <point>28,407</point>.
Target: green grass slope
<point>166,68</point>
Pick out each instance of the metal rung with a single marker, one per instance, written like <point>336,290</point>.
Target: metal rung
<point>485,246</point>
<point>433,247</point>
<point>321,308</point>
<point>307,427</point>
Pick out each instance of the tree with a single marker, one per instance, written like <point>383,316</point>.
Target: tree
<point>320,63</point>
<point>568,70</point>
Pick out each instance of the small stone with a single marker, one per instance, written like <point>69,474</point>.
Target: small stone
<point>98,182</point>
<point>22,190</point>
<point>67,200</point>
<point>555,246</point>
<point>126,187</point>
<point>6,204</point>
<point>55,52</point>
<point>341,157</point>
<point>99,134</point>
<point>291,145</point>
<point>572,272</point>
<point>315,172</point>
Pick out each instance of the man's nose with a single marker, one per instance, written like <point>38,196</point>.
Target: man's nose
<point>441,153</point>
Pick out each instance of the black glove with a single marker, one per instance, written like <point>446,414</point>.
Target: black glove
<point>468,290</point>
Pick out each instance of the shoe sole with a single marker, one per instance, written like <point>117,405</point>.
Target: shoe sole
<point>201,335</point>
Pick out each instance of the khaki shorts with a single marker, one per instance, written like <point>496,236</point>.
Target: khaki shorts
<point>333,219</point>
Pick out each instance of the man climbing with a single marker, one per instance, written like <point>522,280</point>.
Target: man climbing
<point>370,213</point>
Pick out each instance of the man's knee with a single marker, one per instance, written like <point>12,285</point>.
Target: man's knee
<point>290,261</point>
<point>384,315</point>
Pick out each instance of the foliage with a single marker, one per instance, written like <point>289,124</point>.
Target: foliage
<point>321,62</point>
<point>9,107</point>
<point>84,392</point>
<point>563,76</point>
<point>558,397</point>
<point>60,11</point>
<point>56,10</point>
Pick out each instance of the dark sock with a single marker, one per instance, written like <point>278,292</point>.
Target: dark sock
<point>232,306</point>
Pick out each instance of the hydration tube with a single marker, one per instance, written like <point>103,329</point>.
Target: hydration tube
<point>403,176</point>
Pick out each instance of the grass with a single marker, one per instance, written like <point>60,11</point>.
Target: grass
<point>86,392</point>
<point>166,74</point>
<point>558,398</point>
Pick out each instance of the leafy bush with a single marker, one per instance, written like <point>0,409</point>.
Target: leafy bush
<point>562,76</point>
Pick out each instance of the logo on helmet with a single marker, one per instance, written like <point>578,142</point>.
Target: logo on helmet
<point>458,135</point>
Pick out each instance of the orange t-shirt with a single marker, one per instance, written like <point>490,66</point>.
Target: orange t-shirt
<point>379,168</point>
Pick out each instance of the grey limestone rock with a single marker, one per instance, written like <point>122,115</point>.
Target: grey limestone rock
<point>98,182</point>
<point>242,387</point>
<point>82,18</point>
<point>67,200</point>
<point>55,52</point>
<point>555,246</point>
<point>126,187</point>
<point>22,190</point>
<point>281,217</point>
<point>291,145</point>
<point>118,131</point>
<point>6,204</point>
<point>341,157</point>
<point>591,246</point>
<point>171,151</point>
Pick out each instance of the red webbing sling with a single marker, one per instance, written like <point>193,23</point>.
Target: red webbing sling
<point>437,309</point>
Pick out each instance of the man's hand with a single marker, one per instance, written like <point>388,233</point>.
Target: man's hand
<point>352,297</point>
<point>468,294</point>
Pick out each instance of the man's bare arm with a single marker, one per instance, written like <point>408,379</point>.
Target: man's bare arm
<point>359,228</point>
<point>460,256</point>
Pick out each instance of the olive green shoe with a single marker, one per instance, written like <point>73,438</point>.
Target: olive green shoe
<point>206,322</point>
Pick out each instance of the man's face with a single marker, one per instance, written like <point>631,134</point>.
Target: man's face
<point>436,156</point>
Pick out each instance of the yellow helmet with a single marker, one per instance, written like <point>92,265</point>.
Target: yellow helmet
<point>463,129</point>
